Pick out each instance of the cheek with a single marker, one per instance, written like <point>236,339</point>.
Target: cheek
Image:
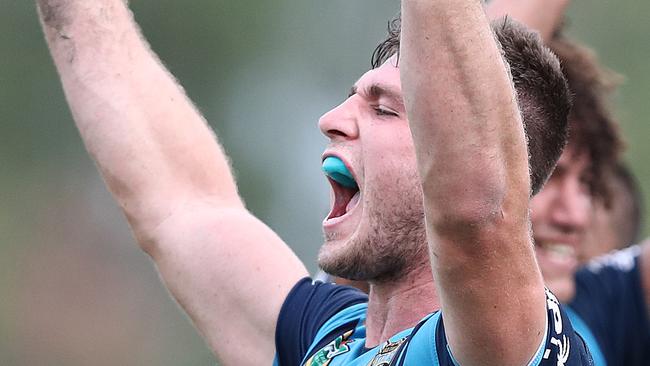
<point>390,164</point>
<point>391,147</point>
<point>395,132</point>
<point>395,182</point>
<point>585,202</point>
<point>539,206</point>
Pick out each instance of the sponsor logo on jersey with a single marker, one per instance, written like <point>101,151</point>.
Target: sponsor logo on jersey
<point>559,340</point>
<point>387,353</point>
<point>335,348</point>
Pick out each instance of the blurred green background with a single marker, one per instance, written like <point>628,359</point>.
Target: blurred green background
<point>74,289</point>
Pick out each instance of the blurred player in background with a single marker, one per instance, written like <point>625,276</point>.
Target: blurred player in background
<point>618,224</point>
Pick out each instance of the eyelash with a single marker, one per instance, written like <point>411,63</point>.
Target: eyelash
<point>380,111</point>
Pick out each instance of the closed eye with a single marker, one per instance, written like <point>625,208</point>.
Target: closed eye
<point>383,111</point>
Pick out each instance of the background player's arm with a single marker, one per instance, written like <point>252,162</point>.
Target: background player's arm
<point>545,16</point>
<point>164,166</point>
<point>472,160</point>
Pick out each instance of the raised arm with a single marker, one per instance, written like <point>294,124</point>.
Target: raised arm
<point>166,169</point>
<point>472,161</point>
<point>544,16</point>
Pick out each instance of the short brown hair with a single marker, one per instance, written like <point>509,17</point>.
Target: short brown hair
<point>592,128</point>
<point>541,88</point>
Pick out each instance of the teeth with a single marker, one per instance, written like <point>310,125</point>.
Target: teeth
<point>563,250</point>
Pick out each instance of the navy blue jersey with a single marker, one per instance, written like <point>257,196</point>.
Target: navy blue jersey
<point>324,325</point>
<point>610,301</point>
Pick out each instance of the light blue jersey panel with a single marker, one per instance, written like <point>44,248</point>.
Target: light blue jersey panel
<point>351,351</point>
<point>581,328</point>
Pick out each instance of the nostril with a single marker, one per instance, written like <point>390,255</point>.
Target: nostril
<point>335,132</point>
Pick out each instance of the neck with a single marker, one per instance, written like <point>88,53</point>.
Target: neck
<point>397,305</point>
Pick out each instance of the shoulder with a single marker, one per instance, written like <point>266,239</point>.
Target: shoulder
<point>610,277</point>
<point>312,313</point>
<point>609,281</point>
<point>610,300</point>
<point>618,261</point>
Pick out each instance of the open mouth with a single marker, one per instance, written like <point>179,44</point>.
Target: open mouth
<point>344,186</point>
<point>345,199</point>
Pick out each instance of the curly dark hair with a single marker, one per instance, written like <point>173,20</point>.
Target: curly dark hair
<point>542,91</point>
<point>592,128</point>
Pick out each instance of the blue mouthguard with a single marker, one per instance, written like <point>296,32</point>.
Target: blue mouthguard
<point>336,170</point>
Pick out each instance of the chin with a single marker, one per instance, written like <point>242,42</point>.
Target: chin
<point>361,260</point>
<point>379,242</point>
<point>333,253</point>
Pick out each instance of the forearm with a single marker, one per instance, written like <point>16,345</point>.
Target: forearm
<point>473,163</point>
<point>462,112</point>
<point>152,146</point>
<point>544,16</point>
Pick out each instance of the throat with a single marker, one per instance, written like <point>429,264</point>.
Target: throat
<point>391,307</point>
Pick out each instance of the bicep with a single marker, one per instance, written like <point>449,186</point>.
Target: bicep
<point>231,274</point>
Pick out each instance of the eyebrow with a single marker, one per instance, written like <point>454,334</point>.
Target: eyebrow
<point>376,91</point>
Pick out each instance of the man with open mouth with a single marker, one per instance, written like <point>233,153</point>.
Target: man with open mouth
<point>431,179</point>
<point>589,207</point>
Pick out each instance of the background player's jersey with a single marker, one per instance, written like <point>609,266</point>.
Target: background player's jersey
<point>610,301</point>
<point>324,325</point>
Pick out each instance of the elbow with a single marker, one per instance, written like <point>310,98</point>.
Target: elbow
<point>146,230</point>
<point>481,196</point>
<point>160,229</point>
<point>467,208</point>
<point>467,219</point>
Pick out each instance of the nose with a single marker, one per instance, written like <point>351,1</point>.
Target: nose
<point>341,123</point>
<point>572,205</point>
